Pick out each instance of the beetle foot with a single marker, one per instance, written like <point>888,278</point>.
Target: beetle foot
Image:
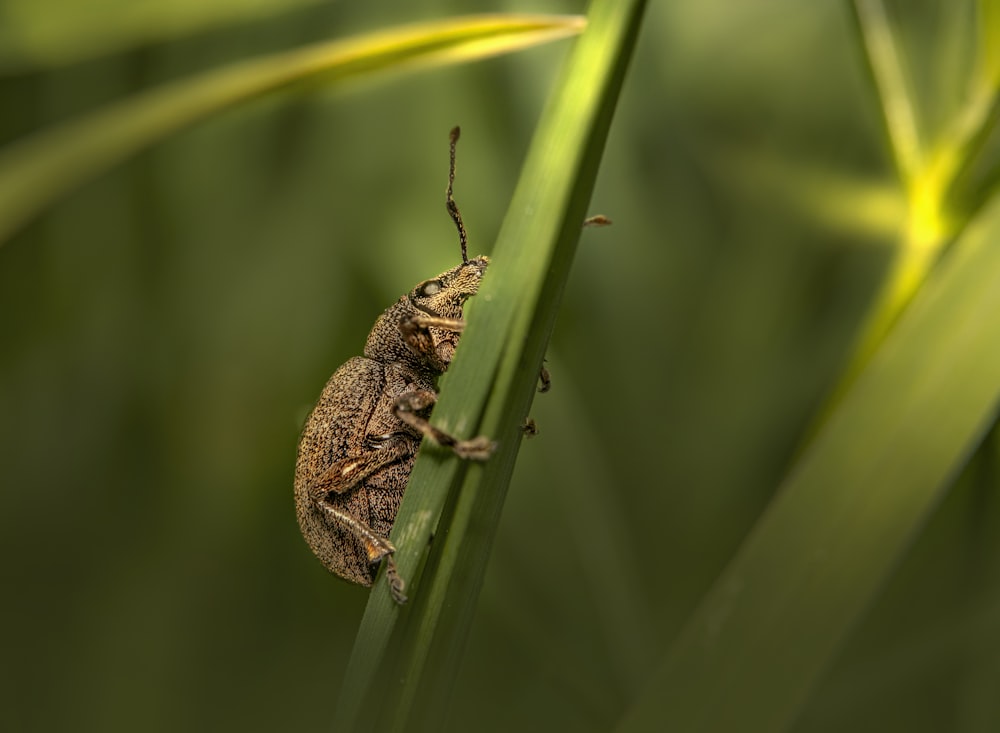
<point>395,580</point>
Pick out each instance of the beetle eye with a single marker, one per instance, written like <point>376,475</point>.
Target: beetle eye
<point>431,287</point>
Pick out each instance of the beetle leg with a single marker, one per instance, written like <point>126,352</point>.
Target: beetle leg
<point>408,404</point>
<point>376,546</point>
<point>423,321</point>
<point>544,379</point>
<point>347,473</point>
<point>395,580</point>
<point>417,335</point>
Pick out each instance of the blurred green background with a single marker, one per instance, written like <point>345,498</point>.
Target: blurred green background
<point>167,327</point>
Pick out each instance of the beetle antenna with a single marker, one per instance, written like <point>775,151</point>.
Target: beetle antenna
<point>463,237</point>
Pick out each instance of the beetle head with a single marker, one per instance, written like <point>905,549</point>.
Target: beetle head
<point>445,294</point>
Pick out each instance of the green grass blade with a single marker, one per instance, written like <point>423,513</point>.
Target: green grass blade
<point>939,173</point>
<point>774,620</point>
<point>966,157</point>
<point>39,33</point>
<point>989,43</point>
<point>887,69</point>
<point>37,171</point>
<point>488,390</point>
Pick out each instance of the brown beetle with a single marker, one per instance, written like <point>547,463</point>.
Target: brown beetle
<point>360,441</point>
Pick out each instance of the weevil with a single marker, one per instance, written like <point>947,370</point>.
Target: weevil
<point>360,441</point>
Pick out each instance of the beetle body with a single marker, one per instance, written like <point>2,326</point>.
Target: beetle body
<point>360,441</point>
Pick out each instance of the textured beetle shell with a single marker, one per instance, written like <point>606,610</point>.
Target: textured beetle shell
<point>375,501</point>
<point>355,415</point>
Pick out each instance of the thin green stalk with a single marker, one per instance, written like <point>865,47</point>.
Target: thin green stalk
<point>38,170</point>
<point>989,42</point>
<point>886,65</point>
<point>488,390</point>
<point>847,512</point>
<point>931,173</point>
